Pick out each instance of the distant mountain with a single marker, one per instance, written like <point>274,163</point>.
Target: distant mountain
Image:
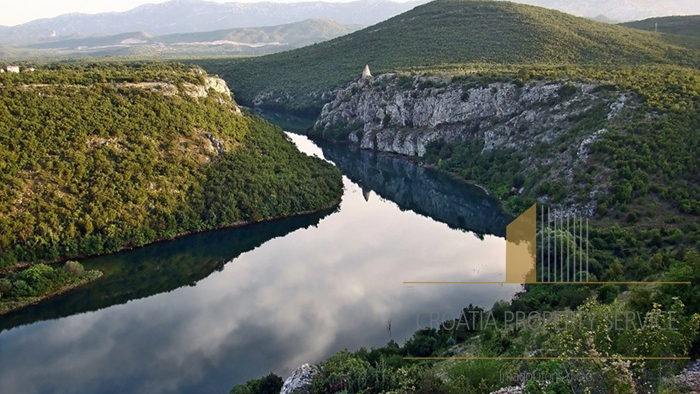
<point>188,16</point>
<point>683,25</point>
<point>603,18</point>
<point>452,33</point>
<point>620,10</point>
<point>7,52</point>
<point>100,41</point>
<point>241,41</point>
<point>297,34</point>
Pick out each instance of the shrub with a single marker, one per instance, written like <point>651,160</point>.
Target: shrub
<point>5,285</point>
<point>20,288</point>
<point>348,372</point>
<point>422,344</point>
<point>74,268</point>
<point>342,371</point>
<point>567,91</point>
<point>429,383</point>
<point>476,376</point>
<point>39,277</point>
<point>687,270</point>
<point>550,377</point>
<point>270,384</point>
<point>589,334</point>
<point>607,293</point>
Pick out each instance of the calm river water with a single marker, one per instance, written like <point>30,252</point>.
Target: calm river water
<point>204,312</point>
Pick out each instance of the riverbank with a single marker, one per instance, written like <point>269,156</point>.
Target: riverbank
<point>7,306</point>
<point>15,305</point>
<point>23,265</point>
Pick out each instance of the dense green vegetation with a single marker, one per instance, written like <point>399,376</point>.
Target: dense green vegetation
<point>19,289</point>
<point>447,33</point>
<point>682,25</point>
<point>645,228</point>
<point>98,73</point>
<point>90,164</point>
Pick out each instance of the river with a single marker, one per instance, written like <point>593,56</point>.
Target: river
<point>204,312</point>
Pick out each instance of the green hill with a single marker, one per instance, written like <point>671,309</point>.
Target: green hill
<point>681,25</point>
<point>97,158</point>
<point>451,32</point>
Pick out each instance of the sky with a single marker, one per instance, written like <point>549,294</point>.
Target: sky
<point>17,12</point>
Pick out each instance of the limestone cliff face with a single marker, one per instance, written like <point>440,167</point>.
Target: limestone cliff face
<point>552,124</point>
<point>211,83</point>
<point>401,115</point>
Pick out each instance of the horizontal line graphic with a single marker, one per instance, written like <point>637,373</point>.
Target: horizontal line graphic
<point>547,283</point>
<point>546,358</point>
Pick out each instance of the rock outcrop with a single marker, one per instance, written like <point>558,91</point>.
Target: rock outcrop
<point>689,378</point>
<point>403,115</point>
<point>216,84</point>
<point>299,382</point>
<point>509,390</point>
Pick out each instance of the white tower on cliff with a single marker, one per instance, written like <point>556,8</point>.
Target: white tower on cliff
<point>366,73</point>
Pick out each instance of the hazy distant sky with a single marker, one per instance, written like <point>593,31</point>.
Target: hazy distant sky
<point>14,12</point>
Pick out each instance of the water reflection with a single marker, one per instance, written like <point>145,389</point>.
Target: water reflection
<point>330,284</point>
<point>158,268</point>
<point>419,189</point>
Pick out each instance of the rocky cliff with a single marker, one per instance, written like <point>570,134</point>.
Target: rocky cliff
<point>550,124</point>
<point>215,83</point>
<point>200,90</point>
<point>403,115</point>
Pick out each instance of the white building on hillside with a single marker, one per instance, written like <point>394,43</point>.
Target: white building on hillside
<point>12,69</point>
<point>366,73</point>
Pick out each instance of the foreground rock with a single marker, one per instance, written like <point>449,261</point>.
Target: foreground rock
<point>690,377</point>
<point>509,390</point>
<point>299,382</point>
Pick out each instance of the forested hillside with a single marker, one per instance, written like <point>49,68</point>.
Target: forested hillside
<point>682,25</point>
<point>97,158</point>
<point>448,34</point>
